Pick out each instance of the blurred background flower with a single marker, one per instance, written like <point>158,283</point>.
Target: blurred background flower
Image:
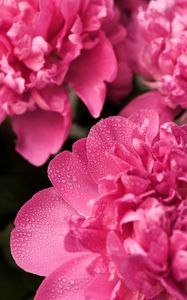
<point>46,47</point>
<point>157,49</point>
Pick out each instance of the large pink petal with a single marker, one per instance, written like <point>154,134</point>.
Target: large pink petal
<point>89,82</point>
<point>69,281</point>
<point>102,137</point>
<point>150,100</point>
<point>43,131</point>
<point>37,241</point>
<point>71,178</point>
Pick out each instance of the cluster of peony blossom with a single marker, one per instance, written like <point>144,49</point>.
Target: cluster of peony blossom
<point>46,46</point>
<point>115,218</point>
<point>114,224</point>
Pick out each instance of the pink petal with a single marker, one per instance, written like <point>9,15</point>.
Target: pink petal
<point>136,277</point>
<point>132,268</point>
<point>42,132</point>
<point>180,265</point>
<point>37,241</point>
<point>122,84</point>
<point>115,249</point>
<point>2,116</point>
<point>43,20</point>
<point>175,289</point>
<point>121,292</point>
<point>69,9</point>
<point>102,137</point>
<point>148,122</point>
<point>89,83</point>
<point>71,178</point>
<point>150,100</point>
<point>106,287</point>
<point>79,148</point>
<point>67,282</point>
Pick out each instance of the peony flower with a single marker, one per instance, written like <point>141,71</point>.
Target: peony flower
<point>45,45</point>
<point>114,224</point>
<point>157,49</point>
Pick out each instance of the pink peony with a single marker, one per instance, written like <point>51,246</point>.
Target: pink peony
<point>45,45</point>
<point>157,49</point>
<point>114,226</point>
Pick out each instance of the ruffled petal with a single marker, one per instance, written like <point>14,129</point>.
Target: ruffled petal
<point>102,137</point>
<point>147,120</point>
